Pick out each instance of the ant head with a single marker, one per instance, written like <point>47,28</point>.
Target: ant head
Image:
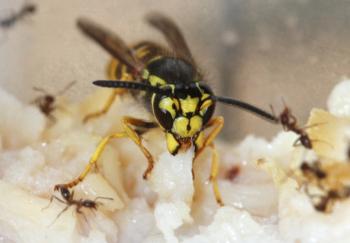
<point>49,99</point>
<point>284,118</point>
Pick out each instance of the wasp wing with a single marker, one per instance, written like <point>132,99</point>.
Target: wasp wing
<point>172,35</point>
<point>111,43</point>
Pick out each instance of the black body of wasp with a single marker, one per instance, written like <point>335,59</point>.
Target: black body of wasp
<point>170,85</point>
<point>26,9</point>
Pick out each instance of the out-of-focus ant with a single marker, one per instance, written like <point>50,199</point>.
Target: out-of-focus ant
<point>47,102</point>
<point>233,172</point>
<point>26,9</point>
<point>68,199</point>
<point>330,184</point>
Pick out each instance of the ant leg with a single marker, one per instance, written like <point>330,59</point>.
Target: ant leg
<point>297,142</point>
<point>104,198</point>
<point>63,210</point>
<point>51,199</point>
<point>66,88</point>
<point>128,132</point>
<point>82,213</point>
<point>218,123</point>
<point>322,141</point>
<point>314,125</point>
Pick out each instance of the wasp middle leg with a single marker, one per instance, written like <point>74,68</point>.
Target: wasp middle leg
<point>217,123</point>
<point>128,132</point>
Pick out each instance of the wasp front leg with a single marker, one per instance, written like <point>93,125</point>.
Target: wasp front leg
<point>128,132</point>
<point>217,123</point>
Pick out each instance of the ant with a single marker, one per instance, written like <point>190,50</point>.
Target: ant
<point>314,169</point>
<point>233,172</point>
<point>289,123</point>
<point>68,199</point>
<point>26,9</point>
<point>46,102</point>
<point>327,182</point>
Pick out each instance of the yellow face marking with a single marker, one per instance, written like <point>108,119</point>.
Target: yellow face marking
<point>180,126</point>
<point>172,144</point>
<point>189,104</point>
<point>185,127</point>
<point>198,143</point>
<point>196,125</point>
<point>167,104</point>
<point>156,81</point>
<point>205,106</point>
<point>204,96</point>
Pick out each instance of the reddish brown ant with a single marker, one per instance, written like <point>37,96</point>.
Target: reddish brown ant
<point>233,172</point>
<point>289,123</point>
<point>68,199</point>
<point>47,102</point>
<point>329,183</point>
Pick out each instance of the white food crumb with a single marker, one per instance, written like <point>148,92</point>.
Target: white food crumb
<point>339,99</point>
<point>263,204</point>
<point>20,124</point>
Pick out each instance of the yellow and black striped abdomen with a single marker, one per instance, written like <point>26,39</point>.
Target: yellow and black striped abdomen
<point>143,51</point>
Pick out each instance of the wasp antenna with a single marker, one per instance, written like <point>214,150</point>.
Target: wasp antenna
<point>248,107</point>
<point>131,85</point>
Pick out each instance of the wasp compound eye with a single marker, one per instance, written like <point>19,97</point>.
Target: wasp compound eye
<point>165,110</point>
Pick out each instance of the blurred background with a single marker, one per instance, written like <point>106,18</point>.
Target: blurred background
<point>253,50</point>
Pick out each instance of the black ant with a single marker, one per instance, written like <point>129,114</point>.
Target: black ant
<point>46,102</point>
<point>26,9</point>
<point>68,199</point>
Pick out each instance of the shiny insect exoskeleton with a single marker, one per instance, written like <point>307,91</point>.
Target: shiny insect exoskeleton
<point>26,9</point>
<point>170,85</point>
<point>68,199</point>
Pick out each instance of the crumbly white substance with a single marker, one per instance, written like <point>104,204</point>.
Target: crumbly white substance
<point>262,203</point>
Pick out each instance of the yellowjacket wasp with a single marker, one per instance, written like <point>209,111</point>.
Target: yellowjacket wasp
<point>171,87</point>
